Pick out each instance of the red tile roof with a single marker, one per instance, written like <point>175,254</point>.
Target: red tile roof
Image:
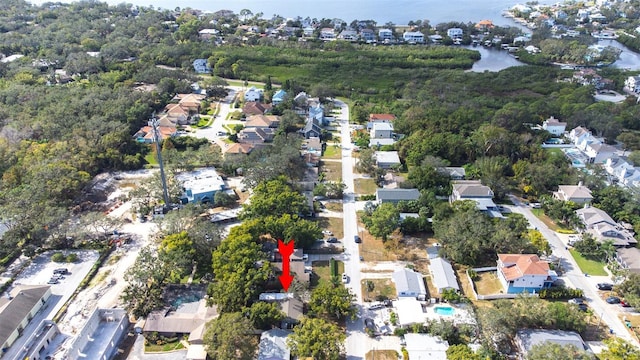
<point>514,266</point>
<point>382,117</point>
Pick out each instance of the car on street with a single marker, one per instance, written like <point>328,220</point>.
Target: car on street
<point>576,301</point>
<point>361,258</point>
<point>61,271</point>
<point>332,240</point>
<point>604,286</point>
<point>613,300</point>
<point>305,257</point>
<point>536,205</point>
<point>345,278</point>
<point>376,306</point>
<point>357,239</point>
<point>52,281</point>
<point>327,232</point>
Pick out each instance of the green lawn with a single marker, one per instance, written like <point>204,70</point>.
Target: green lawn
<point>591,267</point>
<point>364,186</point>
<point>381,287</point>
<point>151,159</point>
<point>332,152</point>
<point>176,345</point>
<point>321,272</point>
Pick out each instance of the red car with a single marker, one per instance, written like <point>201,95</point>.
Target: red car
<point>624,303</point>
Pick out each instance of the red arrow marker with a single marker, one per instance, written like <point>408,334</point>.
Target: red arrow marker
<point>285,250</point>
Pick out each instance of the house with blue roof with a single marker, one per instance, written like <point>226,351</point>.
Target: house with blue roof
<point>278,97</point>
<point>316,112</point>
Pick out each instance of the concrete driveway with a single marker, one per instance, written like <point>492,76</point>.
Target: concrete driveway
<point>574,277</point>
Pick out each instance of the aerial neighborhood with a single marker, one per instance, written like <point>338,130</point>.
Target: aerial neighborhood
<point>201,185</point>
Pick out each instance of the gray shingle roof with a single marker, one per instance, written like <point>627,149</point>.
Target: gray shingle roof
<point>397,194</point>
<point>14,311</point>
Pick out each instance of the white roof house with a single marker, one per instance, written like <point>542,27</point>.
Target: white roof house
<point>443,275</point>
<point>454,33</point>
<point>526,339</point>
<point>622,172</point>
<point>253,94</point>
<point>409,284</point>
<point>273,345</point>
<point>387,159</point>
<point>413,37</point>
<point>425,346</point>
<point>579,194</point>
<point>200,185</point>
<point>409,311</point>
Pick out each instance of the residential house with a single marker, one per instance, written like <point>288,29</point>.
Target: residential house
<point>633,84</point>
<point>296,266</point>
<point>316,112</point>
<point>278,97</point>
<point>520,273</point>
<point>381,134</point>
<point>454,33</point>
<point>201,66</point>
<point>200,186</point>
<point>273,345</point>
<point>145,134</point>
<point>190,102</point>
<point>380,118</point>
<point>291,306</point>
<point>528,338</point>
<point>308,31</point>
<point>327,34</point>
<point>367,35</point>
<point>311,129</point>
<point>413,37</point>
<point>442,275</point>
<point>409,284</point>
<point>188,319</point>
<point>263,121</point>
<point>387,159</point>
<point>554,126</point>
<point>17,309</point>
<point>579,194</point>
<point>475,191</point>
<point>598,152</point>
<point>629,259</point>
<point>579,135</point>
<point>255,108</point>
<point>179,113</point>
<point>484,25</point>
<point>208,34</point>
<point>425,346</point>
<point>409,311</point>
<point>255,136</point>
<point>312,145</point>
<point>40,344</point>
<point>603,228</point>
<point>394,196</point>
<point>236,150</point>
<point>622,172</point>
<point>253,94</point>
<point>454,173</point>
<point>348,35</point>
<point>385,35</point>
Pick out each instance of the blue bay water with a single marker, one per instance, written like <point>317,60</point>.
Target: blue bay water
<point>398,12</point>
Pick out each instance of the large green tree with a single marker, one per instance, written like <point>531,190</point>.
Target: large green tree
<point>274,198</point>
<point>230,336</point>
<point>333,301</point>
<point>317,338</point>
<point>145,281</point>
<point>384,220</point>
<point>554,351</point>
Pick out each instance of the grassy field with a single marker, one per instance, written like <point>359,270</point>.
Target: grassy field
<point>546,220</point>
<point>332,152</point>
<point>364,186</point>
<point>591,267</point>
<point>332,169</point>
<point>335,225</point>
<point>381,355</point>
<point>373,249</point>
<point>321,272</point>
<point>151,159</point>
<point>488,284</point>
<point>334,206</point>
<point>381,287</point>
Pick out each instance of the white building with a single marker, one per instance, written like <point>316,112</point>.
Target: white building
<point>443,275</point>
<point>554,126</point>
<point>425,346</point>
<point>387,159</point>
<point>454,33</point>
<point>633,83</point>
<point>622,172</point>
<point>385,35</point>
<point>409,284</point>
<point>520,273</point>
<point>253,94</point>
<point>200,185</point>
<point>413,37</point>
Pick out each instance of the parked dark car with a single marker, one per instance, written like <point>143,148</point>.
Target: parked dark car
<point>357,239</point>
<point>332,240</point>
<point>583,307</point>
<point>369,324</point>
<point>613,300</point>
<point>61,271</point>
<point>605,286</point>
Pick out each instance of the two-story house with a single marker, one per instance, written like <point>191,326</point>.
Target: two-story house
<point>578,135</point>
<point>367,35</point>
<point>554,126</point>
<point>599,152</point>
<point>454,33</point>
<point>413,37</point>
<point>385,35</point>
<point>633,84</point>
<point>348,35</point>
<point>622,172</point>
<point>381,134</point>
<point>520,273</point>
<point>201,66</point>
<point>327,34</point>
<point>253,94</point>
<point>579,194</point>
<point>603,228</point>
<point>278,97</point>
<point>474,190</point>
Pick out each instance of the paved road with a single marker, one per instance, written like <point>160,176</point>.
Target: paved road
<point>574,277</point>
<point>211,132</point>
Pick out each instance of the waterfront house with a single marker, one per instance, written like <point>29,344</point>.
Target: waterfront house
<point>327,34</point>
<point>348,35</point>
<point>520,273</point>
<point>454,33</point>
<point>413,37</point>
<point>385,35</point>
<point>367,35</point>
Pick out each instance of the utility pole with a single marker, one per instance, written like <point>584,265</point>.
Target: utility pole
<point>156,138</point>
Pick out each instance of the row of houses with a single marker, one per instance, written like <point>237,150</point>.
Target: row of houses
<point>180,112</point>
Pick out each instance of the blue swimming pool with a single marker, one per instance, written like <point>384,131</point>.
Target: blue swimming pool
<point>444,310</point>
